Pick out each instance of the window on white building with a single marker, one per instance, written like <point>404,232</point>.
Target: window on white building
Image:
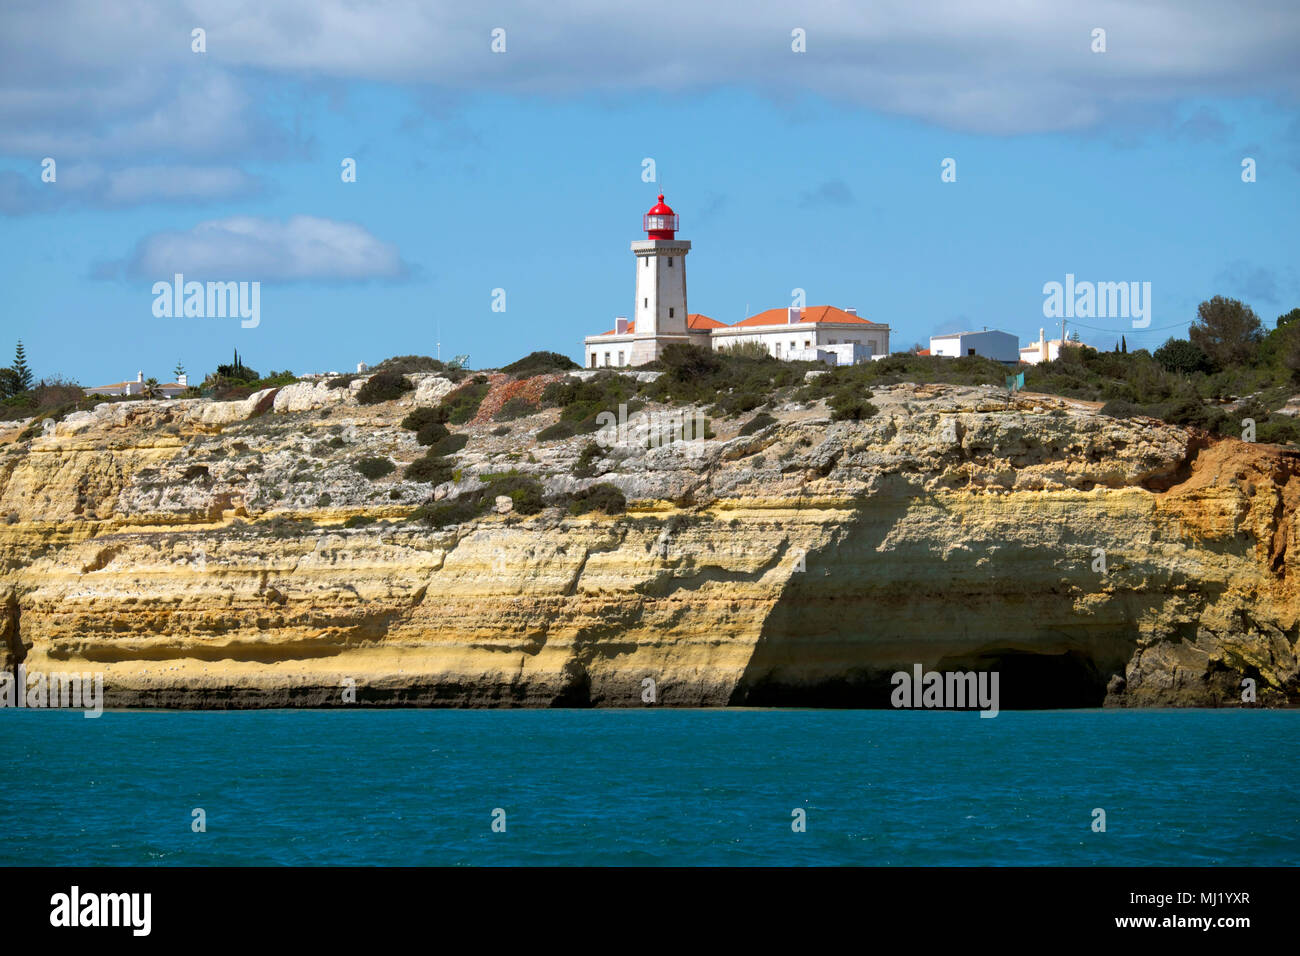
<point>646,302</point>
<point>606,360</point>
<point>670,313</point>
<point>670,262</point>
<point>620,358</point>
<point>778,348</point>
<point>592,363</point>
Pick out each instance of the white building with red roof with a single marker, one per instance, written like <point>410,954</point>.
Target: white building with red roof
<point>817,333</point>
<point>138,387</point>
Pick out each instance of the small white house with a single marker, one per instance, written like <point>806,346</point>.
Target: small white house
<point>843,353</point>
<point>990,343</point>
<point>168,390</point>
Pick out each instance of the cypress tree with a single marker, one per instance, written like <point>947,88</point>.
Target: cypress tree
<point>20,369</point>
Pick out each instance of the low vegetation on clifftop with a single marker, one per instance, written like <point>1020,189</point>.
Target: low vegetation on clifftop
<point>747,531</point>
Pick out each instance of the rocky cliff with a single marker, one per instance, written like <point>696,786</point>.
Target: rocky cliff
<point>229,554</point>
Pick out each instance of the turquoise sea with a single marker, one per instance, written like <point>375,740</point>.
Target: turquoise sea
<point>650,787</point>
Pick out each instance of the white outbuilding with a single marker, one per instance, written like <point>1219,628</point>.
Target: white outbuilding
<point>990,343</point>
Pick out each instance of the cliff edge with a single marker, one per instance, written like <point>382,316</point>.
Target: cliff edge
<point>230,554</point>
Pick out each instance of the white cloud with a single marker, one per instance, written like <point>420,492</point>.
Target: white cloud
<point>113,78</point>
<point>252,248</point>
<point>138,184</point>
<point>92,185</point>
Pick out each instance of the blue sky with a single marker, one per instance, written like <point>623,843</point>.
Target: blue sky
<point>523,171</point>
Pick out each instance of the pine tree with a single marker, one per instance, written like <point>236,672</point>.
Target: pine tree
<point>1123,345</point>
<point>178,371</point>
<point>20,369</point>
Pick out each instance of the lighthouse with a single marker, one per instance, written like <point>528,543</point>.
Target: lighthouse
<point>660,307</point>
<point>820,333</point>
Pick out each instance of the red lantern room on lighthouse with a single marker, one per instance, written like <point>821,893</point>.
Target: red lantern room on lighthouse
<point>660,222</point>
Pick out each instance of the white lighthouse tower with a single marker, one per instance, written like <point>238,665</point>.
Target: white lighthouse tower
<point>660,285</point>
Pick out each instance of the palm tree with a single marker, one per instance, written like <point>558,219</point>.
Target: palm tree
<point>151,389</point>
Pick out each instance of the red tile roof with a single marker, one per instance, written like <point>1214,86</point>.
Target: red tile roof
<point>695,320</point>
<point>813,314</point>
<point>923,352</point>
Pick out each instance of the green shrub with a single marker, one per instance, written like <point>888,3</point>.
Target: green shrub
<point>583,467</point>
<point>1118,408</point>
<point>431,468</point>
<point>849,404</point>
<point>523,490</point>
<point>1181,356</point>
<point>515,408</point>
<point>431,433</point>
<point>401,364</point>
<point>580,402</point>
<point>375,468</point>
<point>442,513</point>
<point>753,350</point>
<point>540,363</point>
<point>358,521</point>
<point>735,381</point>
<point>1279,429</point>
<point>462,404</point>
<point>757,423</point>
<point>503,430</point>
<point>738,402</point>
<point>448,445</point>
<point>602,497</point>
<point>284,527</point>
<point>324,501</point>
<point>420,417</point>
<point>557,431</point>
<point>383,387</point>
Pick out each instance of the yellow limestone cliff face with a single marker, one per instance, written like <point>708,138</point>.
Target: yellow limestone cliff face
<point>204,554</point>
